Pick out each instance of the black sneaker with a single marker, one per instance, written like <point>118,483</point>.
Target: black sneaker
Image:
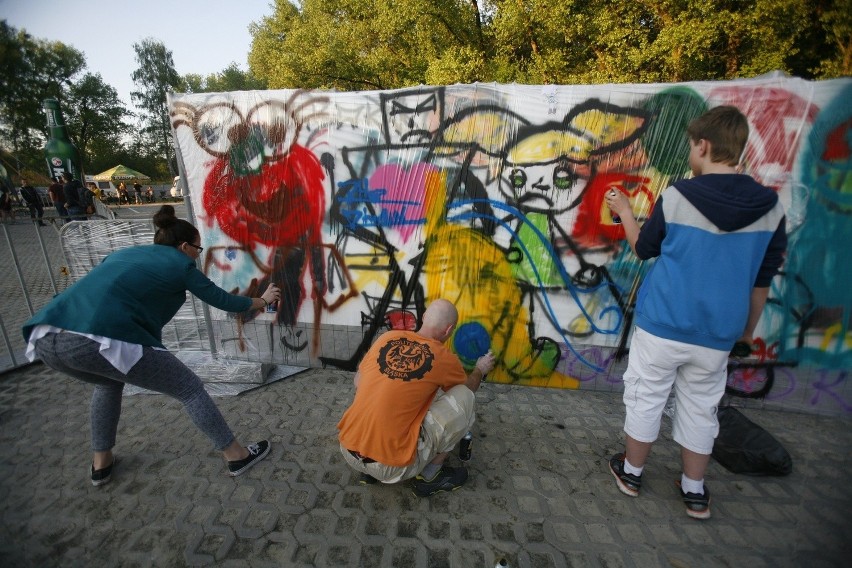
<point>447,479</point>
<point>102,476</point>
<point>366,479</point>
<point>697,506</point>
<point>256,452</point>
<point>628,483</point>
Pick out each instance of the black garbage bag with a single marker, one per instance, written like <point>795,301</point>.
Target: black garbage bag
<point>744,447</point>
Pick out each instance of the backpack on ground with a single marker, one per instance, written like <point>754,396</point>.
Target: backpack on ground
<point>744,447</point>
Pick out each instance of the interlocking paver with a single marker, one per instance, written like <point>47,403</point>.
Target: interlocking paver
<point>539,492</point>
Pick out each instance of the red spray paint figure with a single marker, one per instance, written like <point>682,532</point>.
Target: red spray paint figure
<point>264,189</point>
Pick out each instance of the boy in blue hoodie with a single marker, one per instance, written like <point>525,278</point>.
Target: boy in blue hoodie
<point>719,239</point>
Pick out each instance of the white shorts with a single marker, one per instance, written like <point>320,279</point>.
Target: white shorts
<point>448,419</point>
<point>698,375</point>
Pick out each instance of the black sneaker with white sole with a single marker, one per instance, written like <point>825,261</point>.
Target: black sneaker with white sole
<point>102,476</point>
<point>256,452</point>
<point>697,506</point>
<point>628,483</point>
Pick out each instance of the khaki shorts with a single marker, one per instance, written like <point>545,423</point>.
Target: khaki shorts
<point>448,419</point>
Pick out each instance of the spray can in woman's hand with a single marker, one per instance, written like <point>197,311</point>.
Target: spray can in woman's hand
<point>272,305</point>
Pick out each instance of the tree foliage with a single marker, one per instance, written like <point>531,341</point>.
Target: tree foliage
<point>30,71</point>
<point>383,44</point>
<point>155,76</point>
<point>836,21</point>
<point>365,44</point>
<point>232,78</point>
<point>99,118</point>
<point>98,122</point>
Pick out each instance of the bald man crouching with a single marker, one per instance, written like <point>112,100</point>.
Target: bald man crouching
<point>413,403</point>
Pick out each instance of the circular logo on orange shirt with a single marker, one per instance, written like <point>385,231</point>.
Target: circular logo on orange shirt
<point>405,359</point>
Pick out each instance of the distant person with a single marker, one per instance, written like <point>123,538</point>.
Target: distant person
<point>122,194</point>
<point>97,193</point>
<point>137,190</point>
<point>110,342</point>
<point>7,209</point>
<point>33,202</point>
<point>149,194</point>
<point>57,197</point>
<point>718,239</point>
<point>75,202</point>
<point>413,403</point>
<point>91,193</point>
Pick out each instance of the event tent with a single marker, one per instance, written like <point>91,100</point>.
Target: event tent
<point>121,173</point>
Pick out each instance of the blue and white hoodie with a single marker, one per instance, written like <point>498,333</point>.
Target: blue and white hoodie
<point>717,236</point>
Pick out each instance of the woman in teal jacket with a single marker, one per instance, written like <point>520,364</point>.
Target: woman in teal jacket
<point>113,338</point>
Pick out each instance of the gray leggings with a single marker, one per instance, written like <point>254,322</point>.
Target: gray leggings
<point>157,370</point>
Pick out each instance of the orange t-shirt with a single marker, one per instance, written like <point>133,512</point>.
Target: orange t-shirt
<point>399,377</point>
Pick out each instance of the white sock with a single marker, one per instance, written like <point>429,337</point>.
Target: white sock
<point>430,471</point>
<point>632,469</point>
<point>691,486</point>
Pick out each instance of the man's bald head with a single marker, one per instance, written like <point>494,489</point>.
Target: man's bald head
<point>439,320</point>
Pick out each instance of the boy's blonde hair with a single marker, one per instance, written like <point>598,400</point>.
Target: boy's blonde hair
<point>726,129</point>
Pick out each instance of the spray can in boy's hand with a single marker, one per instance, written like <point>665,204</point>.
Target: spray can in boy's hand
<point>615,218</point>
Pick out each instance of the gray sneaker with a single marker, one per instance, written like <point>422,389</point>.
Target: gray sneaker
<point>447,479</point>
<point>367,479</point>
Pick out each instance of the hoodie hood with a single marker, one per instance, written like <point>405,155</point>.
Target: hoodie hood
<point>729,201</point>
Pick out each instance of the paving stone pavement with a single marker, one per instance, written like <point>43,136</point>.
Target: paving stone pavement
<point>539,493</point>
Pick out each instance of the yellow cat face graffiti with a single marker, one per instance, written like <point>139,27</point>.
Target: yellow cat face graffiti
<point>543,187</point>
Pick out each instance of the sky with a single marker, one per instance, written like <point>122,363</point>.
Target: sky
<point>204,36</point>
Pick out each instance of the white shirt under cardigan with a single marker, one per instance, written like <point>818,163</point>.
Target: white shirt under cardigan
<point>120,354</point>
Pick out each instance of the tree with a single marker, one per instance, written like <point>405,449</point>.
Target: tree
<point>156,76</point>
<point>99,118</point>
<point>365,44</point>
<point>597,41</point>
<point>383,44</point>
<point>837,23</point>
<point>30,71</point>
<point>232,78</point>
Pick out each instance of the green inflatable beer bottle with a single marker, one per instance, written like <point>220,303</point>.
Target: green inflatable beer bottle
<point>61,154</point>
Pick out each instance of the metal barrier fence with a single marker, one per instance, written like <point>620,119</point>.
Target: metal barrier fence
<point>37,263</point>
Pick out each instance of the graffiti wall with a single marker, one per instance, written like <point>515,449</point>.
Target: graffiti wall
<point>365,206</point>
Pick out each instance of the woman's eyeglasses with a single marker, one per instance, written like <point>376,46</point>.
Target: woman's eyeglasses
<point>196,247</point>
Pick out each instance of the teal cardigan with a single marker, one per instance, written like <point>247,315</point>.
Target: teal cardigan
<point>132,294</point>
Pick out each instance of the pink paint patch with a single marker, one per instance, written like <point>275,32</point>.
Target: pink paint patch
<point>402,204</point>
